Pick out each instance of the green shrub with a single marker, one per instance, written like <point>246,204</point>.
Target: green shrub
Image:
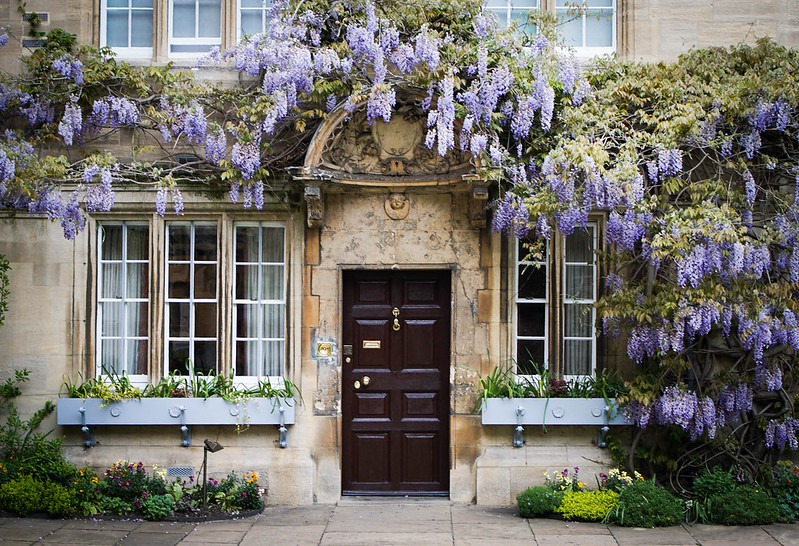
<point>538,501</point>
<point>59,500</point>
<point>24,495</point>
<point>744,505</point>
<point>784,488</point>
<point>715,482</point>
<point>157,506</point>
<point>588,505</point>
<point>114,505</point>
<point>643,503</point>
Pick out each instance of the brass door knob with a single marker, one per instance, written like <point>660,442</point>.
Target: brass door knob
<point>366,380</point>
<point>357,385</point>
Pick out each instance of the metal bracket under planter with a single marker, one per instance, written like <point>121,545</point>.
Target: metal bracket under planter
<point>183,412</point>
<point>553,411</point>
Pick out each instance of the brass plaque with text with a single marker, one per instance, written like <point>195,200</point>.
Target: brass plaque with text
<point>371,343</point>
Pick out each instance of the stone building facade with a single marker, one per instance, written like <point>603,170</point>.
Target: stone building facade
<point>394,293</point>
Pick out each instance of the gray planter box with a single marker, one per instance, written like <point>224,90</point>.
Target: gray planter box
<point>552,411</point>
<point>180,412</point>
<point>175,411</point>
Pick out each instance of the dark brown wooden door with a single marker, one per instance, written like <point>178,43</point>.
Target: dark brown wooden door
<point>395,395</point>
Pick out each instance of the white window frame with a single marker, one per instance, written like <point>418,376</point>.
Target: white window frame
<point>136,379</point>
<point>549,269</point>
<point>125,52</point>
<point>509,8</point>
<point>191,300</point>
<point>582,50</point>
<point>266,5</point>
<point>545,265</point>
<point>593,229</point>
<point>260,302</point>
<point>197,40</point>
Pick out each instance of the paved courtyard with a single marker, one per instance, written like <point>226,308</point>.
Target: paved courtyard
<point>420,522</point>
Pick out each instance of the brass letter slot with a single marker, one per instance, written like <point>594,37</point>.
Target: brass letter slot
<point>371,343</point>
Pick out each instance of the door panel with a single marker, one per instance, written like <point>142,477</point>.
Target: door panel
<point>395,394</point>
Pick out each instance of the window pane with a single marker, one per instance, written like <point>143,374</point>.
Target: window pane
<point>251,22</point>
<point>577,357</point>
<point>578,320</point>
<point>497,3</point>
<point>529,357</point>
<point>247,320</point>
<point>532,319</point>
<point>205,243</point>
<point>580,282</point>
<point>274,325</point>
<point>272,282</point>
<point>142,3</point>
<point>117,3</point>
<point>179,243</point>
<point>532,282</point>
<point>205,281</point>
<point>273,244</point>
<point>502,18</point>
<point>205,320</point>
<point>138,243</point>
<point>274,354</point>
<point>579,247</point>
<point>111,281</point>
<point>247,244</point>
<point>112,319</point>
<point>138,280</point>
<point>210,18</point>
<point>112,356</point>
<point>599,33</point>
<point>178,281</point>
<point>204,356</point>
<point>253,3</point>
<point>247,282</point>
<point>524,251</point>
<point>179,357</point>
<point>519,16</point>
<point>116,32</point>
<point>179,324</point>
<point>111,242</point>
<point>141,28</point>
<point>136,319</point>
<point>137,356</point>
<point>571,30</point>
<point>246,356</point>
<point>183,19</point>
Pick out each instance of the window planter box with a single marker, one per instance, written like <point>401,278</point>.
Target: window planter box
<point>552,411</point>
<point>182,412</point>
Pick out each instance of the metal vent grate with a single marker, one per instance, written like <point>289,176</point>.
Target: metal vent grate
<point>180,471</point>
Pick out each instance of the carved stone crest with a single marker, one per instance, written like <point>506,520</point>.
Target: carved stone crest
<point>390,149</point>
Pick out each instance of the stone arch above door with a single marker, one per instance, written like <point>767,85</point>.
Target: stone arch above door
<point>348,151</point>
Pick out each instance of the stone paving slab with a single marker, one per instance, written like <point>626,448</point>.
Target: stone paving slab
<point>783,533</point>
<point>338,538</point>
<point>295,515</point>
<point>285,535</point>
<point>84,536</point>
<point>470,532</point>
<point>635,536</point>
<point>711,535</point>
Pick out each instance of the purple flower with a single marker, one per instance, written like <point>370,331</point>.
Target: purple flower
<point>215,146</point>
<point>246,157</point>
